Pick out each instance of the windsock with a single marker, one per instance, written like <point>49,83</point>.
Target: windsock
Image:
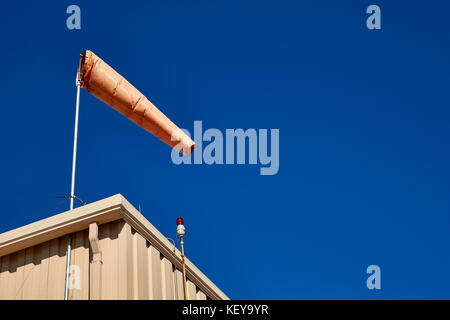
<point>106,84</point>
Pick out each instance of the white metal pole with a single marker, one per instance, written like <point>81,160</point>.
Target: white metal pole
<point>75,136</point>
<point>72,188</point>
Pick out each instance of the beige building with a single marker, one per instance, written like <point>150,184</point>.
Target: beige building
<point>116,254</point>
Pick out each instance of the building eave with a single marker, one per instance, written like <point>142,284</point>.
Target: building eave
<point>102,211</point>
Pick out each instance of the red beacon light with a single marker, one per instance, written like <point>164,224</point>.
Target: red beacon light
<point>181,230</point>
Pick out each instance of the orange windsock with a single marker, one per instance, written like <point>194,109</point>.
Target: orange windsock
<point>106,84</point>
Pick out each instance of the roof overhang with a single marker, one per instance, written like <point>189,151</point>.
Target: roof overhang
<point>102,211</point>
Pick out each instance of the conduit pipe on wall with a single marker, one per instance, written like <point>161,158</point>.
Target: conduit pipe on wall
<point>106,84</point>
<point>96,263</point>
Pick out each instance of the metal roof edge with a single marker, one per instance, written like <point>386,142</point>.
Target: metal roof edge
<point>102,211</point>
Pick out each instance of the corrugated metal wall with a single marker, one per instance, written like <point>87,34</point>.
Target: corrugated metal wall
<point>132,269</point>
<point>34,273</point>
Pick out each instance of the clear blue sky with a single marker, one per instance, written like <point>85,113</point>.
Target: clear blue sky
<point>364,135</point>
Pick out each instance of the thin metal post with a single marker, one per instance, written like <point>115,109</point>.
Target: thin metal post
<point>72,187</point>
<point>74,159</point>
<point>184,269</point>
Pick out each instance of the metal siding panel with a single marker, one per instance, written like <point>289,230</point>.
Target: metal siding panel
<point>142,267</point>
<point>80,264</point>
<point>86,263</point>
<point>12,276</point>
<point>54,291</point>
<point>4,277</point>
<point>28,274</point>
<point>150,272</point>
<point>201,295</point>
<point>113,266</point>
<point>129,259</point>
<point>36,272</point>
<point>61,266</point>
<point>114,253</point>
<point>43,276</point>
<point>122,264</point>
<point>168,279</point>
<point>192,290</point>
<point>20,267</point>
<point>163,277</point>
<point>134,259</point>
<point>74,294</point>
<point>179,282</point>
<point>156,274</point>
<point>125,262</point>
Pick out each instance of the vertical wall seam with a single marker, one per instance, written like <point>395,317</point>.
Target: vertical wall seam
<point>163,276</point>
<point>135,265</point>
